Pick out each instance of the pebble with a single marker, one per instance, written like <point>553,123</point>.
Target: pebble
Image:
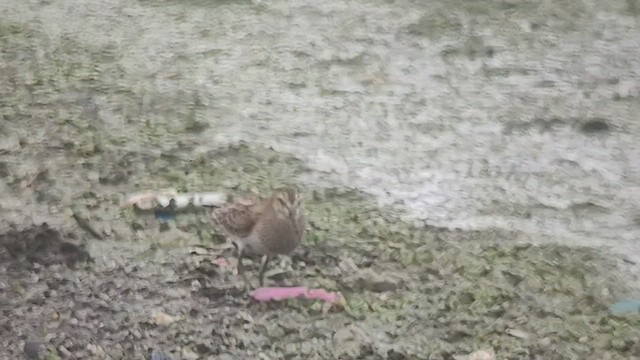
<point>163,319</point>
<point>96,350</point>
<point>482,355</point>
<point>518,334</point>
<point>188,354</point>
<point>349,340</point>
<point>626,89</point>
<point>32,350</point>
<point>64,352</point>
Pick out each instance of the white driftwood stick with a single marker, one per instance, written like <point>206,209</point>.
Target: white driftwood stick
<point>163,199</point>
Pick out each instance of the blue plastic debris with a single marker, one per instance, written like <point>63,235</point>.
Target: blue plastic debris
<point>165,215</point>
<point>625,306</point>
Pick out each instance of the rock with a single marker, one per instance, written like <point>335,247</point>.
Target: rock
<point>226,356</point>
<point>626,89</point>
<point>395,355</point>
<point>188,354</point>
<point>275,331</point>
<point>135,333</point>
<point>347,265</point>
<point>482,355</point>
<point>518,333</point>
<point>163,319</point>
<point>245,317</point>
<point>64,352</point>
<point>348,341</point>
<point>32,350</point>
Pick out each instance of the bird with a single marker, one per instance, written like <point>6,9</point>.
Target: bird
<point>264,226</point>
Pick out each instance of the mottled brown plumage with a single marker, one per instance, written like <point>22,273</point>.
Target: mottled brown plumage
<point>263,226</point>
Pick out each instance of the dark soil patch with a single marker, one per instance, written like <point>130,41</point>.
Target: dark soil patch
<point>42,245</point>
<point>412,292</point>
<point>593,126</point>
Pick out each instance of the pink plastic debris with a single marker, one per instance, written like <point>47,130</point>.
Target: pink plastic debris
<point>278,293</point>
<point>281,293</point>
<point>322,294</point>
<point>222,262</point>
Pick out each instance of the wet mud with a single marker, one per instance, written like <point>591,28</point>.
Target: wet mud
<point>462,248</point>
<point>151,287</point>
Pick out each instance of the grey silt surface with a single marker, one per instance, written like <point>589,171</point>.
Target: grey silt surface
<point>468,116</point>
<point>497,115</point>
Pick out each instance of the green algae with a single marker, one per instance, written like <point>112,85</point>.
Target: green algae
<point>455,291</point>
<point>458,290</point>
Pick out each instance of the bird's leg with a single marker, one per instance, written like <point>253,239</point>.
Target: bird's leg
<point>294,274</point>
<point>247,283</point>
<point>263,268</point>
<point>236,249</point>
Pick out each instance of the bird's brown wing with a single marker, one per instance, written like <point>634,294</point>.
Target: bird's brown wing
<point>237,219</point>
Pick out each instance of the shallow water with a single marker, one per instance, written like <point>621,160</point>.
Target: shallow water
<point>504,114</point>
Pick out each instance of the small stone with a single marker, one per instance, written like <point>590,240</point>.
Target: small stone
<point>136,334</point>
<point>196,250</point>
<point>225,356</point>
<point>395,355</point>
<point>347,265</point>
<point>292,348</point>
<point>117,351</point>
<point>188,354</point>
<point>245,317</point>
<point>626,89</point>
<point>195,286</point>
<point>306,348</point>
<point>274,331</point>
<point>545,342</point>
<point>64,352</point>
<point>263,356</point>
<point>32,350</point>
<point>583,340</point>
<point>163,319</point>
<point>518,334</point>
<point>482,355</point>
<point>348,341</point>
